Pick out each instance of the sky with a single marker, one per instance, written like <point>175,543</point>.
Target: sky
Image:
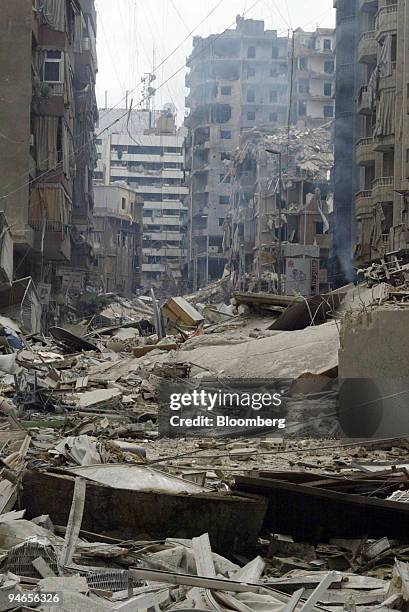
<point>136,36</point>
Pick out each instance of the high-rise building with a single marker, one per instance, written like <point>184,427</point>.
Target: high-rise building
<point>237,80</point>
<point>372,39</point>
<point>47,113</point>
<point>313,69</point>
<point>145,151</point>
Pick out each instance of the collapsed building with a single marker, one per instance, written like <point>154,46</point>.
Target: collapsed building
<point>278,222</point>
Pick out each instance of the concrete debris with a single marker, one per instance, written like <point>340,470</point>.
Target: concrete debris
<point>155,525</point>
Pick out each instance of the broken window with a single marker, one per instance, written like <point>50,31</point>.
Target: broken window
<point>328,111</point>
<point>251,72</point>
<point>251,115</point>
<point>251,95</point>
<point>303,63</point>
<point>302,108</point>
<point>303,86</point>
<point>225,134</point>
<point>327,89</point>
<point>224,200</point>
<point>54,67</point>
<point>273,96</point>
<point>329,67</point>
<point>319,227</point>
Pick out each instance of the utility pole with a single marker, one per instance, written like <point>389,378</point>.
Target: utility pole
<point>278,203</point>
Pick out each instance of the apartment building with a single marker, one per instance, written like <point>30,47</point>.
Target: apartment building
<point>117,239</point>
<point>381,137</point>
<point>145,151</point>
<point>237,80</point>
<point>313,76</point>
<point>48,111</point>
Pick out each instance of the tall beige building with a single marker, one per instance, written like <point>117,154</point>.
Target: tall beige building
<point>378,81</point>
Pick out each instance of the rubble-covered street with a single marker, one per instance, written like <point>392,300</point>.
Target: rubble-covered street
<point>97,505</point>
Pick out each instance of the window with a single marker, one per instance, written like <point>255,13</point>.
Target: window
<point>54,67</point>
<point>98,175</point>
<point>251,52</point>
<point>224,155</point>
<point>224,200</point>
<point>251,95</point>
<point>319,227</point>
<point>302,108</point>
<point>328,111</point>
<point>251,72</point>
<point>327,44</point>
<point>123,203</point>
<point>274,52</point>
<point>303,63</point>
<point>328,67</point>
<point>221,221</point>
<point>251,116</point>
<point>225,134</point>
<point>303,86</point>
<point>327,89</point>
<point>273,72</point>
<point>273,96</point>
<point>224,178</point>
<point>225,91</point>
<point>273,117</point>
<point>98,141</point>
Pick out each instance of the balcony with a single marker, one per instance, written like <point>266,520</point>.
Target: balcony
<point>364,152</point>
<point>367,48</point>
<point>363,202</point>
<point>386,21</point>
<point>382,189</point>
<point>363,103</point>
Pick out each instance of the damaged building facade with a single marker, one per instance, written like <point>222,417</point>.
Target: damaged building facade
<point>48,94</point>
<point>372,39</point>
<point>143,150</point>
<point>117,239</point>
<point>237,80</point>
<point>279,220</point>
<point>313,72</point>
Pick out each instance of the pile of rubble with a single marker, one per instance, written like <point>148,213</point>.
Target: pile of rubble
<point>98,509</point>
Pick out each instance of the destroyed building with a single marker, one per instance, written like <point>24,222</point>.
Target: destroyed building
<point>117,239</point>
<point>313,72</point>
<point>145,151</point>
<point>48,154</point>
<point>237,79</point>
<point>371,138</point>
<point>281,222</point>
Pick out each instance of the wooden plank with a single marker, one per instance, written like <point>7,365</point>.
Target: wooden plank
<point>193,581</point>
<point>43,568</point>
<point>203,556</point>
<point>74,522</point>
<point>318,592</point>
<point>294,601</point>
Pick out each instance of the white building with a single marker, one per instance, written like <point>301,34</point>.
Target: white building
<point>150,159</point>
